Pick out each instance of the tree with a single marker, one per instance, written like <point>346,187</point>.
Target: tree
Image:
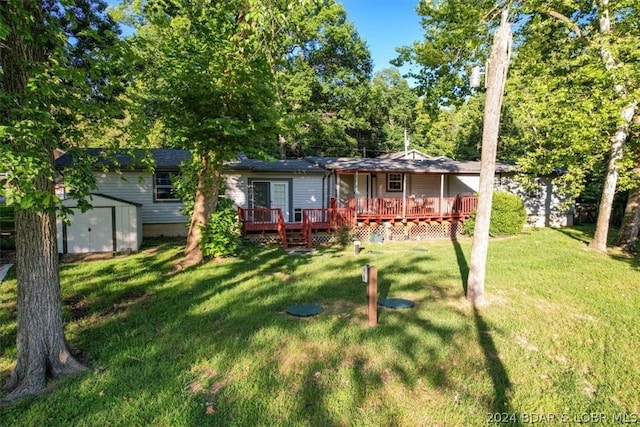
<point>572,79</point>
<point>321,69</point>
<point>55,80</point>
<point>613,63</point>
<point>498,65</point>
<point>392,111</point>
<point>628,233</point>
<point>205,76</point>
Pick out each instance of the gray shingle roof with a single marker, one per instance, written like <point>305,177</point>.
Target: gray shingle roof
<point>163,158</point>
<point>171,159</point>
<point>433,165</point>
<point>291,166</point>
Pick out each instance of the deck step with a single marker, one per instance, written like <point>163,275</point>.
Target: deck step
<point>296,239</point>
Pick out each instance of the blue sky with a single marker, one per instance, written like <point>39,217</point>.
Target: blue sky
<point>385,25</point>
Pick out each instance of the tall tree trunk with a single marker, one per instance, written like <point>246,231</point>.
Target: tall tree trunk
<point>617,142</point>
<point>282,146</point>
<point>628,233</point>
<point>496,78</point>
<point>205,204</point>
<point>42,349</point>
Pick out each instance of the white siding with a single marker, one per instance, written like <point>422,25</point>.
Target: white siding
<point>237,190</point>
<point>306,190</point>
<point>463,184</point>
<point>544,204</point>
<point>137,187</point>
<point>421,185</point>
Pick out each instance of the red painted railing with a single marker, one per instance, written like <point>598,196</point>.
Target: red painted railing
<point>361,209</point>
<point>259,219</point>
<point>422,208</point>
<point>282,230</point>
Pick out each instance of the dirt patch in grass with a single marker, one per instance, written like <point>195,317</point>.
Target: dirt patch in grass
<point>77,306</point>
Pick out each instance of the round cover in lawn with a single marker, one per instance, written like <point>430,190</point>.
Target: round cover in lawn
<point>396,303</point>
<point>304,310</point>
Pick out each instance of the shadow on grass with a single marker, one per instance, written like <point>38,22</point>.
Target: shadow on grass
<point>215,336</point>
<point>463,266</point>
<point>501,402</point>
<point>585,233</point>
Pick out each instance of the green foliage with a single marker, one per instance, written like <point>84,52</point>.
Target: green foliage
<point>345,235</point>
<point>221,235</point>
<point>321,68</point>
<point>68,88</point>
<point>562,102</point>
<point>508,215</point>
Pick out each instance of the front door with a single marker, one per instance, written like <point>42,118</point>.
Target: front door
<point>273,195</point>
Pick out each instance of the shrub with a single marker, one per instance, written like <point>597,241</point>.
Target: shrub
<point>221,237</point>
<point>507,215</point>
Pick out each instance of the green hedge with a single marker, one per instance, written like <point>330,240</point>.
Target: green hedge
<point>508,215</point>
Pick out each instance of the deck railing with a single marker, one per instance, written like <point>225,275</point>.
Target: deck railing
<point>259,219</point>
<point>387,208</point>
<point>360,209</point>
<point>282,230</point>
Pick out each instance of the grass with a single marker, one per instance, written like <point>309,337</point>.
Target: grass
<point>213,346</point>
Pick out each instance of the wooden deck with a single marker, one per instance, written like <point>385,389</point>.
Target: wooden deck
<point>360,210</point>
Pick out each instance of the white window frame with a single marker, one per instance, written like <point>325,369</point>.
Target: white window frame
<point>396,179</point>
<point>157,186</point>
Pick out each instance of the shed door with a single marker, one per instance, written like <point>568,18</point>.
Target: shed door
<point>91,231</point>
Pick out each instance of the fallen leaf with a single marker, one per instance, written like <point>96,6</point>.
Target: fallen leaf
<point>210,410</point>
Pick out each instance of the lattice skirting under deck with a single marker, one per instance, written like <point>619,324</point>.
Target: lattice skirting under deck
<point>409,231</point>
<point>386,231</point>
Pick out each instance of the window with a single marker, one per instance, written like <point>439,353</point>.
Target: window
<point>394,182</point>
<point>163,190</point>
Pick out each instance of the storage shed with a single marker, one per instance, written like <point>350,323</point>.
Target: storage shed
<point>112,225</point>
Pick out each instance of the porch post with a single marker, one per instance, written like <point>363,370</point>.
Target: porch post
<point>404,196</point>
<point>441,193</point>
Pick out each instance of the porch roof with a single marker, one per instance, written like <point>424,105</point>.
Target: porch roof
<point>435,165</point>
<point>297,166</point>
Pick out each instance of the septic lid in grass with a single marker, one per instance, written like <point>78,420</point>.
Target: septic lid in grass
<point>304,310</point>
<point>396,303</point>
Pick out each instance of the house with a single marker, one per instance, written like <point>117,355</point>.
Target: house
<point>397,196</point>
<point>130,202</point>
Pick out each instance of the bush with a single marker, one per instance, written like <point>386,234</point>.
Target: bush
<point>507,215</point>
<point>221,237</point>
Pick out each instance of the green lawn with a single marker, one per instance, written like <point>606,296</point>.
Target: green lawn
<point>212,346</point>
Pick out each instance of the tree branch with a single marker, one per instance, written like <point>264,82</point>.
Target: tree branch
<point>576,29</point>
